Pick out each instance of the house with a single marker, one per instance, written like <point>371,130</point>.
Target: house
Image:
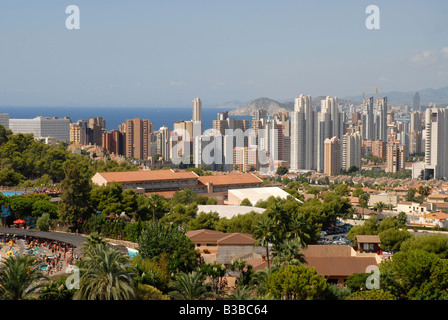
<point>221,247</point>
<point>435,219</point>
<point>386,198</point>
<point>368,243</point>
<point>337,263</point>
<point>437,198</point>
<point>410,207</point>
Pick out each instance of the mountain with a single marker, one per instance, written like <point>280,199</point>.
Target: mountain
<point>274,107</point>
<point>270,105</point>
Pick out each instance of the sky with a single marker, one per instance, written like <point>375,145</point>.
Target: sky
<point>165,53</point>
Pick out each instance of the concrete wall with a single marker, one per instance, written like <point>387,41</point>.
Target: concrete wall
<point>226,252</point>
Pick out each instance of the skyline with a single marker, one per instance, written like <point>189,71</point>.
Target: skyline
<point>158,54</point>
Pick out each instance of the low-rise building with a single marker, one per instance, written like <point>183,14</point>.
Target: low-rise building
<point>225,248</point>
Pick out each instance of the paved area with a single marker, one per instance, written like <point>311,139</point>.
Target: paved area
<point>72,239</point>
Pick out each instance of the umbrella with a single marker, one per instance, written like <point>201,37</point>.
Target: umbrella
<point>20,221</point>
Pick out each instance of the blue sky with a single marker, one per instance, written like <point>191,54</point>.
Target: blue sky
<point>166,53</point>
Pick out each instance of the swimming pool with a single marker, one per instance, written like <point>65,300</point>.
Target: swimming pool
<point>11,193</point>
<point>132,252</point>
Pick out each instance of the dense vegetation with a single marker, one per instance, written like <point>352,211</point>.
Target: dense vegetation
<point>169,267</point>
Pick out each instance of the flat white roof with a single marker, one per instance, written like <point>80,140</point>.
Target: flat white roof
<point>228,211</point>
<point>255,194</point>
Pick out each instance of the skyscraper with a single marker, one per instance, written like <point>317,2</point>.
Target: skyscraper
<point>351,150</point>
<point>368,129</point>
<point>436,141</point>
<point>302,104</point>
<point>332,165</point>
<point>416,121</point>
<point>297,160</point>
<point>416,102</point>
<point>197,109</point>
<point>396,156</point>
<point>137,137</point>
<point>381,119</point>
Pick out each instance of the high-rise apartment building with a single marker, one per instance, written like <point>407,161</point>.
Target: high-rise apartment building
<point>396,156</point>
<point>436,141</point>
<point>416,102</point>
<point>381,119</point>
<point>416,123</point>
<point>368,121</point>
<point>163,142</point>
<point>113,142</point>
<point>137,137</point>
<point>197,109</point>
<point>332,162</point>
<point>415,142</point>
<point>351,150</point>
<point>303,105</point>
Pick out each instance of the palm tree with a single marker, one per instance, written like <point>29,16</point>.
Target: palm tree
<point>259,281</point>
<point>19,278</point>
<point>288,253</point>
<point>155,202</point>
<point>300,229</point>
<point>189,286</point>
<point>106,274</point>
<point>264,234</point>
<point>380,206</point>
<point>240,293</point>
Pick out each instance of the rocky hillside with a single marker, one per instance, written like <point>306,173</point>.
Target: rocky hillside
<point>270,105</point>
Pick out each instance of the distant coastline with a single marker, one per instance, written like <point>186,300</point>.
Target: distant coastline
<point>114,116</point>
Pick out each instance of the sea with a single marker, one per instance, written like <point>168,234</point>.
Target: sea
<point>114,116</point>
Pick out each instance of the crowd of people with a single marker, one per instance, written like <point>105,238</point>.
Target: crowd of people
<point>52,257</point>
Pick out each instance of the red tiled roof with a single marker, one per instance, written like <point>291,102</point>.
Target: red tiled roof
<point>236,239</point>
<point>368,238</point>
<point>340,266</point>
<point>220,238</point>
<point>205,236</point>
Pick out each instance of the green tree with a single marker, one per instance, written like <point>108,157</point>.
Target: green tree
<point>43,222</point>
<point>189,286</point>
<point>436,243</point>
<point>41,207</point>
<point>371,295</point>
<point>282,170</point>
<point>245,202</point>
<point>148,292</point>
<point>106,274</point>
<point>158,238</point>
<point>264,234</point>
<point>417,274</point>
<point>297,283</point>
<point>410,196</point>
<point>156,204</point>
<point>204,221</point>
<point>19,278</point>
<point>75,199</point>
<point>391,239</point>
<point>288,253</point>
<point>56,290</point>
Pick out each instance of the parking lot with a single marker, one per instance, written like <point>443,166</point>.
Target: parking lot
<point>336,235</point>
